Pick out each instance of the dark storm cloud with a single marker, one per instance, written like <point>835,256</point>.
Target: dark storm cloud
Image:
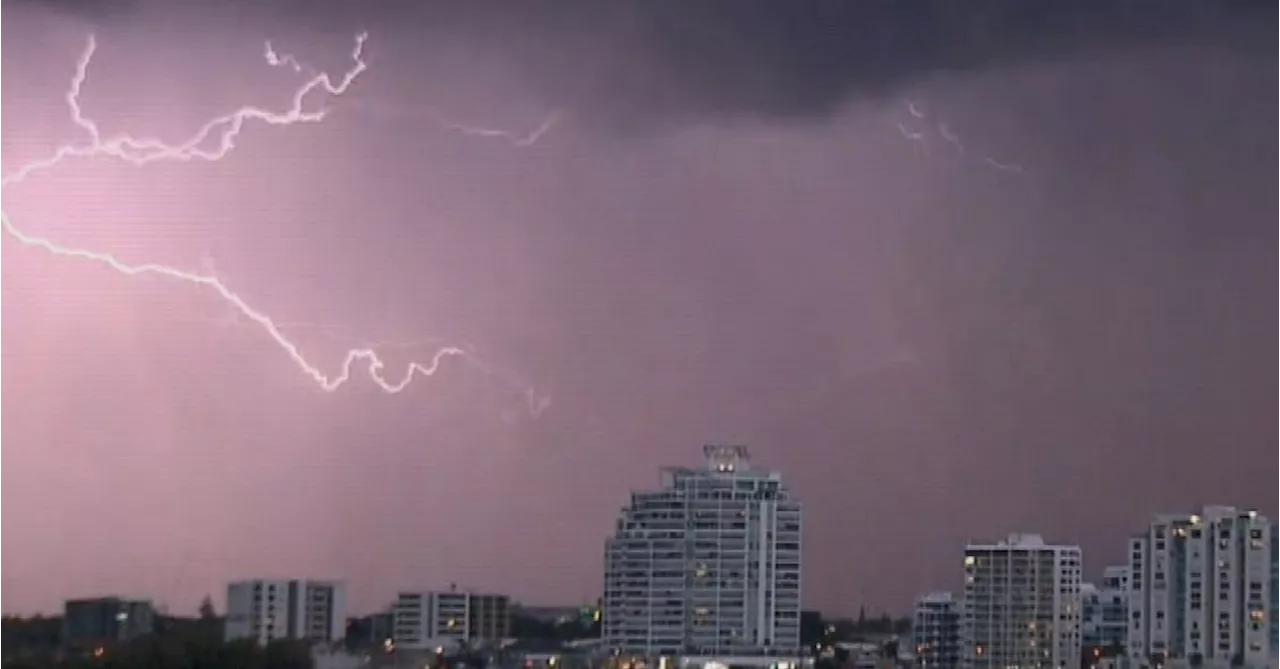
<point>801,59</point>
<point>636,59</point>
<point>641,59</point>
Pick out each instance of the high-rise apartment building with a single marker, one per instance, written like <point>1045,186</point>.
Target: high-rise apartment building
<point>1274,614</point>
<point>935,629</point>
<point>89,624</point>
<point>267,610</point>
<point>426,619</point>
<point>1105,611</point>
<point>1201,589</point>
<point>708,564</point>
<point>1022,605</point>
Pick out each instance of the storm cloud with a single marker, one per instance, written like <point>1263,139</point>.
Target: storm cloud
<point>636,63</point>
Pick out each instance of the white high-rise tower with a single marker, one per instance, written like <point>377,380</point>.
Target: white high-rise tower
<point>708,564</point>
<point>1021,605</point>
<point>1200,589</point>
<point>269,610</point>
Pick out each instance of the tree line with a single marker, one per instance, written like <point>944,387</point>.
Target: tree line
<point>155,652</point>
<point>176,643</point>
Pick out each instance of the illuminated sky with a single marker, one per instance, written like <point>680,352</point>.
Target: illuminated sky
<point>728,236</point>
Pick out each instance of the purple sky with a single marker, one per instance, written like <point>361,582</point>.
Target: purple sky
<point>931,349</point>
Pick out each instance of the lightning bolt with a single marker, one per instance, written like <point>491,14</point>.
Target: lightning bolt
<point>328,383</point>
<point>520,141</point>
<point>278,59</point>
<point>948,135</point>
<point>141,151</point>
<point>514,138</point>
<point>915,136</point>
<point>212,142</point>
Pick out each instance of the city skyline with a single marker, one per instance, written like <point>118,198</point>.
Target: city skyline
<point>706,569</point>
<point>953,275</point>
<point>1094,577</point>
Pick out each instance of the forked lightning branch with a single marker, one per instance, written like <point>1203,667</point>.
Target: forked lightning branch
<point>214,141</point>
